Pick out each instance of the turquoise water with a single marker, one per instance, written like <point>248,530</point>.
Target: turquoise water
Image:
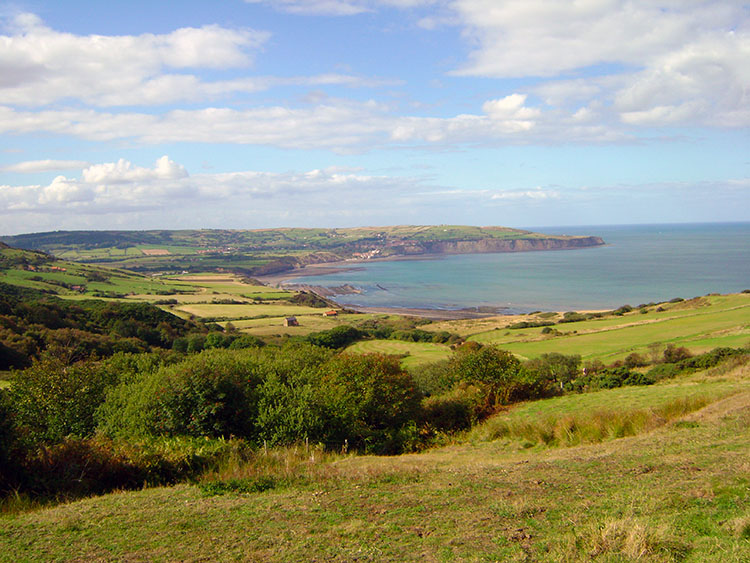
<point>640,264</point>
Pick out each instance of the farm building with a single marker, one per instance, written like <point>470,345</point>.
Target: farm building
<point>330,314</point>
<point>291,321</point>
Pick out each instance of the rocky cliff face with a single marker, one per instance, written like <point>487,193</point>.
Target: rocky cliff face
<point>490,245</point>
<point>417,248</point>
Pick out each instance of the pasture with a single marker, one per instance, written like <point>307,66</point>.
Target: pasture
<point>415,353</point>
<point>699,325</point>
<point>245,310</point>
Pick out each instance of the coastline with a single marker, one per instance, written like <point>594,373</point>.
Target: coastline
<point>325,268</point>
<point>282,280</point>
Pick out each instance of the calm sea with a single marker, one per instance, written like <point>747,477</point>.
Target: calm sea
<point>639,264</point>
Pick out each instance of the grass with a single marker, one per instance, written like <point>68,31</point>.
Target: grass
<point>678,492</point>
<point>247,311</point>
<point>417,353</point>
<point>711,322</point>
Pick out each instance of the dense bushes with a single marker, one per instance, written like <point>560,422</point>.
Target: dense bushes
<point>51,400</point>
<point>92,415</point>
<point>32,323</point>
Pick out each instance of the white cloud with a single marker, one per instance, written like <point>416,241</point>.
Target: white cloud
<point>124,172</point>
<point>122,188</point>
<point>32,166</point>
<point>39,65</point>
<point>124,195</point>
<point>338,125</point>
<point>656,63</point>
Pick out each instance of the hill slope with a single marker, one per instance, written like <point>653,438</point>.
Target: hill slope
<point>677,493</point>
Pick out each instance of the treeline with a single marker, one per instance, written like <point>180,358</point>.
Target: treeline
<point>33,323</point>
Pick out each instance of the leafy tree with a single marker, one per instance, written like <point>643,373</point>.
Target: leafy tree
<point>555,368</point>
<point>497,372</point>
<point>337,337</point>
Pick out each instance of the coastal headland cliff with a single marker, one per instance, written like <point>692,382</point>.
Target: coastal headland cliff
<point>261,252</point>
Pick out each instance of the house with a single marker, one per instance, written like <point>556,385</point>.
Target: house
<point>291,321</point>
<point>331,313</point>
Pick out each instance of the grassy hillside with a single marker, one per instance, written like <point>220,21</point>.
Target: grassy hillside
<point>675,491</point>
<point>698,324</point>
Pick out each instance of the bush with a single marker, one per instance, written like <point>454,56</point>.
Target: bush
<point>51,400</point>
<point>663,371</point>
<point>208,394</point>
<point>289,403</point>
<point>7,441</point>
<point>635,360</point>
<point>368,400</point>
<point>451,411</point>
<point>674,354</point>
<point>554,369</point>
<point>81,467</point>
<point>337,337</point>
<point>246,341</point>
<point>434,378</point>
<point>496,371</point>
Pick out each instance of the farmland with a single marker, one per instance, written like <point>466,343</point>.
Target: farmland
<point>699,325</point>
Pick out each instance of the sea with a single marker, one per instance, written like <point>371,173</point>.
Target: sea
<point>639,264</point>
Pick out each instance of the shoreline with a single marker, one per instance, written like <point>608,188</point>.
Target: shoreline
<point>282,281</point>
<point>325,268</point>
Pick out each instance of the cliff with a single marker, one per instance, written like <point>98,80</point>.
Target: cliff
<point>490,245</point>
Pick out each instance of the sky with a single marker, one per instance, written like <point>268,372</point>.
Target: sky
<point>339,113</point>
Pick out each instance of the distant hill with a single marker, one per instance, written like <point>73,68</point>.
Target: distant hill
<point>265,251</point>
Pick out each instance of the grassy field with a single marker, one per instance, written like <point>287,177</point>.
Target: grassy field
<point>699,325</point>
<point>416,353</point>
<point>246,311</point>
<point>677,492</point>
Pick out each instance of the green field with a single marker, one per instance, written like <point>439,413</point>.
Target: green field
<point>676,492</point>
<point>700,326</point>
<point>416,353</point>
<point>246,311</point>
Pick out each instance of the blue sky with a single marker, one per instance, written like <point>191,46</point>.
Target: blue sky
<point>260,113</point>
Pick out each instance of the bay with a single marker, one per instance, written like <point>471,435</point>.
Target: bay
<point>639,264</point>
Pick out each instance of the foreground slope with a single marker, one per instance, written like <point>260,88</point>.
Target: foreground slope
<point>677,493</point>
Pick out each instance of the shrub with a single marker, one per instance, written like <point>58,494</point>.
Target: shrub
<point>451,411</point>
<point>246,341</point>
<point>7,441</point>
<point>496,371</point>
<point>635,360</point>
<point>433,378</point>
<point>337,337</point>
<point>289,403</point>
<point>572,317</point>
<point>208,394</point>
<point>52,400</point>
<point>554,369</point>
<point>368,400</point>
<point>673,354</point>
<point>663,371</point>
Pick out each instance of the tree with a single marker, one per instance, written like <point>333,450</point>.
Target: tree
<point>497,371</point>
